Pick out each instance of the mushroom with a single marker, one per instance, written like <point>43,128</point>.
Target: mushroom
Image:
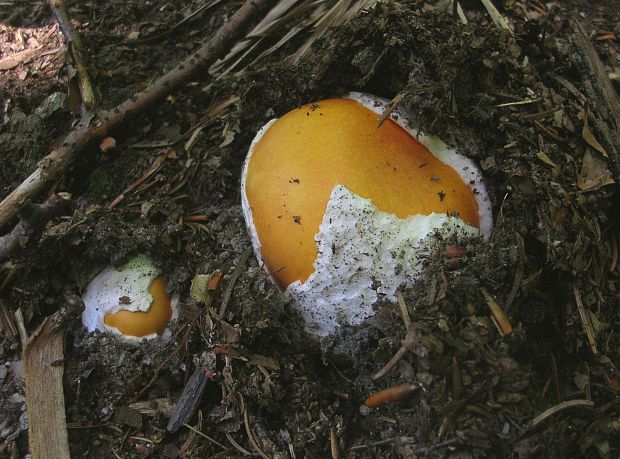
<point>340,210</point>
<point>130,301</point>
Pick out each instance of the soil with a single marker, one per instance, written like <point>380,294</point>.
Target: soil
<point>515,104</point>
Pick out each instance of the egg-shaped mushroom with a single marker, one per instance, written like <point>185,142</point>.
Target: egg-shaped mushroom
<point>130,301</point>
<point>339,207</point>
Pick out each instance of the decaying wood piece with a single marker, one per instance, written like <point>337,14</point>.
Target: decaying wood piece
<point>603,101</point>
<point>35,218</point>
<point>43,369</point>
<point>85,135</point>
<point>74,43</point>
<point>190,398</point>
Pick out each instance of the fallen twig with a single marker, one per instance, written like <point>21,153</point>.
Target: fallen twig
<point>36,217</point>
<point>74,43</point>
<point>6,321</point>
<point>84,135</point>
<point>391,107</point>
<point>21,327</point>
<point>410,339</point>
<point>584,315</point>
<point>233,279</point>
<point>516,283</point>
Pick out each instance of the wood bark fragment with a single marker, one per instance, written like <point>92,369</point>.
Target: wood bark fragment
<point>43,369</point>
<point>84,135</point>
<point>190,398</point>
<point>603,101</point>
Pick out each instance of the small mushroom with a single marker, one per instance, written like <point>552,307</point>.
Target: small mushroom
<point>130,301</point>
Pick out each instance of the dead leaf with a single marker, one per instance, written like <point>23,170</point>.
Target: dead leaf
<point>587,135</point>
<point>594,174</point>
<point>545,159</point>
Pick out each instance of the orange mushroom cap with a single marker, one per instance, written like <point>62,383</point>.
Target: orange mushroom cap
<point>143,323</point>
<point>299,159</point>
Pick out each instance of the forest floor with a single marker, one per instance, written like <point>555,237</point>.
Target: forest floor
<point>523,104</point>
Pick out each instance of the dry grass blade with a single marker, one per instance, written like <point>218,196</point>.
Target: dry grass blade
<point>244,47</point>
<point>341,12</point>
<point>459,12</point>
<point>559,407</point>
<point>251,438</point>
<point>296,16</point>
<point>497,18</point>
<point>290,17</point>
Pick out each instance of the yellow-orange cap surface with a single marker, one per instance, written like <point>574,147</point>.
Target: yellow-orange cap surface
<point>301,157</point>
<point>143,323</point>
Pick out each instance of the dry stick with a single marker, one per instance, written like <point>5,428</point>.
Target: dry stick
<point>85,135</point>
<point>516,283</point>
<point>584,315</point>
<point>39,215</point>
<point>233,279</point>
<point>601,94</point>
<point>6,321</point>
<point>74,43</point>
<point>410,339</point>
<point>43,369</point>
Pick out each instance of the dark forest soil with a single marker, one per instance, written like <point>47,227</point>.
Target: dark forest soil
<point>514,104</point>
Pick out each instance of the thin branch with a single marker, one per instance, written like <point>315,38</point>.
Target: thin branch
<point>584,315</point>
<point>74,43</point>
<point>85,135</point>
<point>233,279</point>
<point>37,217</point>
